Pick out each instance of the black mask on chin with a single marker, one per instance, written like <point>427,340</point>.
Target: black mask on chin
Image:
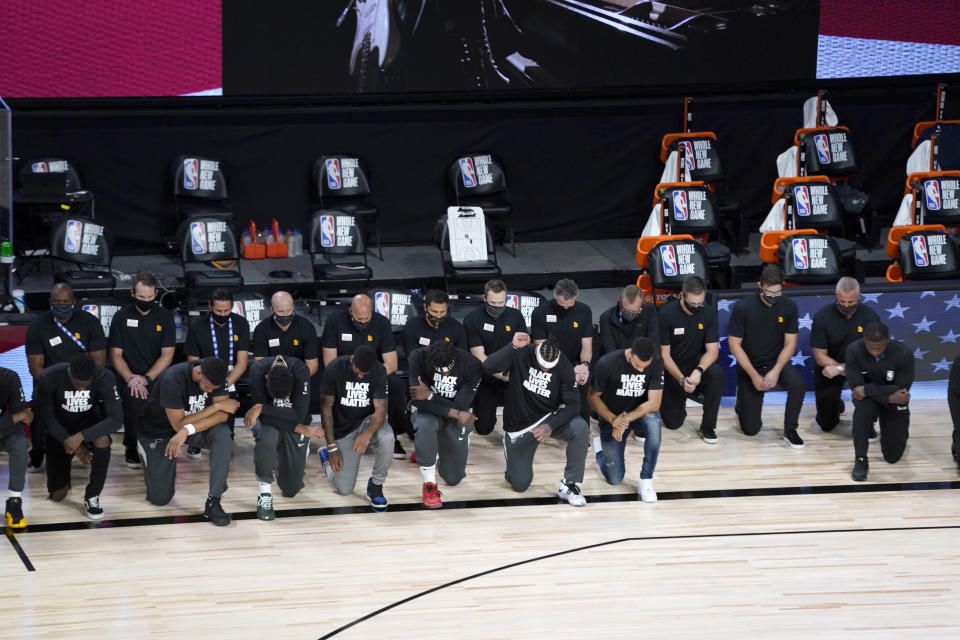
<point>359,326</point>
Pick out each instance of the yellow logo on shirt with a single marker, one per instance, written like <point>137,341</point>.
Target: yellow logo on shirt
<point>575,325</point>
<point>859,329</point>
<point>159,328</point>
<point>296,342</point>
<point>369,338</point>
<point>236,338</point>
<point>447,339</point>
<point>780,319</point>
<point>508,327</point>
<point>700,325</point>
<point>77,336</point>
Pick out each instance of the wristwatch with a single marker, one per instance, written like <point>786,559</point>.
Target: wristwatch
<point>700,369</point>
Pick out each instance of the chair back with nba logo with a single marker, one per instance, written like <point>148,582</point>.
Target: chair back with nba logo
<point>925,254</point>
<point>396,305</point>
<point>810,202</point>
<point>475,259</point>
<point>342,182</point>
<point>936,198</point>
<point>669,263</point>
<point>102,309</point>
<point>200,187</point>
<point>477,179</point>
<point>687,208</point>
<point>337,233</point>
<point>81,254</point>
<point>48,177</point>
<point>809,259</point>
<point>209,251</point>
<point>525,302</point>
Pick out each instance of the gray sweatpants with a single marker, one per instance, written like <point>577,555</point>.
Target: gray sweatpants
<point>160,473</point>
<point>15,445</point>
<point>282,452</point>
<point>519,453</point>
<point>444,437</point>
<point>382,446</point>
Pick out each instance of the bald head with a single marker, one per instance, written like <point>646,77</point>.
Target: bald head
<point>61,291</point>
<point>361,308</point>
<point>281,300</point>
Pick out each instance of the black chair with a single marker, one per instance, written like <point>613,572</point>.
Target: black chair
<point>337,233</point>
<point>48,177</point>
<point>204,242</point>
<point>474,271</point>
<point>343,184</point>
<point>102,309</point>
<point>200,188</point>
<point>478,180</point>
<point>81,254</point>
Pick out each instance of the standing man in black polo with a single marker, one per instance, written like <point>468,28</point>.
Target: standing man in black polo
<point>953,401</point>
<point>53,338</point>
<point>14,417</point>
<point>225,335</point>
<point>143,338</point>
<point>570,323</point>
<point>629,319</point>
<point>690,346</point>
<point>286,333</point>
<point>879,371</point>
<point>489,329</point>
<point>763,338</point>
<point>835,327</point>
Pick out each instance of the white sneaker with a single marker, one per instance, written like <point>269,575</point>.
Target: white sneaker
<point>637,437</point>
<point>647,494</point>
<point>597,445</point>
<point>92,509</point>
<point>570,493</point>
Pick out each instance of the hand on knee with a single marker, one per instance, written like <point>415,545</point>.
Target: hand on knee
<point>103,442</point>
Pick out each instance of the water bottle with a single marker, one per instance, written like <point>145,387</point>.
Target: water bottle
<point>269,238</point>
<point>177,320</point>
<point>299,241</point>
<point>291,244</point>
<point>246,240</point>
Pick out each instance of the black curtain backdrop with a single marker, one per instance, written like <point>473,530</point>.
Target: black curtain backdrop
<point>575,169</point>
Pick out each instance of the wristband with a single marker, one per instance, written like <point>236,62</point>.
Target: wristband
<point>332,449</point>
<point>700,369</point>
<point>190,429</point>
<point>148,379</point>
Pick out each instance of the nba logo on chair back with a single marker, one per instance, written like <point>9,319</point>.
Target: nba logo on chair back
<point>801,260</point>
<point>920,256</point>
<point>802,197</point>
<point>688,156</point>
<point>823,148</point>
<point>39,167</point>
<point>333,174</point>
<point>668,256</point>
<point>71,243</point>
<point>198,237</point>
<point>468,172</point>
<point>680,210</point>
<point>932,190</point>
<point>513,301</point>
<point>191,173</point>
<point>382,303</point>
<point>92,309</point>
<point>328,234</point>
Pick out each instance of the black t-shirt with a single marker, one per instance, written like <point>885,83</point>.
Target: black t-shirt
<point>353,397</point>
<point>454,389</point>
<point>882,376</point>
<point>566,326</point>
<point>64,410</point>
<point>417,333</point>
<point>687,335</point>
<point>200,342</point>
<point>832,330</point>
<point>493,333</point>
<point>174,389</point>
<point>762,328</point>
<point>45,338</point>
<point>282,413</point>
<point>617,334</point>
<point>622,387</point>
<point>534,395</point>
<point>340,334</point>
<point>299,340</point>
<point>11,401</point>
<point>142,336</point>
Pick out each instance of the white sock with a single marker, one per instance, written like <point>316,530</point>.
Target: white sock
<point>429,474</point>
<point>14,494</point>
<point>265,487</point>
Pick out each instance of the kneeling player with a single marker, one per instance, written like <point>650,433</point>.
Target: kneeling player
<point>14,416</point>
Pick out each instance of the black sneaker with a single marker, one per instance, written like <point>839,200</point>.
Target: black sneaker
<point>92,508</point>
<point>15,519</point>
<point>874,437</point>
<point>194,453</point>
<point>215,513</point>
<point>860,468</point>
<point>375,496</point>
<point>398,451</point>
<point>36,461</point>
<point>132,459</point>
<point>793,438</point>
<point>709,435</point>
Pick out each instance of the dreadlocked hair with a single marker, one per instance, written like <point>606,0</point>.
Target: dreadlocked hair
<point>549,350</point>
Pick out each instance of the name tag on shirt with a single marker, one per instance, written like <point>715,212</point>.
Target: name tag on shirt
<point>133,323</point>
<point>273,342</point>
<point>889,376</point>
<point>487,327</point>
<point>678,331</point>
<point>551,318</point>
<point>425,341</point>
<point>346,337</point>
<point>55,341</point>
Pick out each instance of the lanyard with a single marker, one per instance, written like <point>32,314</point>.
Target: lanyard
<point>79,342</point>
<point>213,338</point>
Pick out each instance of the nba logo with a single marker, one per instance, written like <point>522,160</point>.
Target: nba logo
<point>191,173</point>
<point>71,243</point>
<point>932,189</point>
<point>679,205</point>
<point>39,167</point>
<point>468,173</point>
<point>823,148</point>
<point>513,302</point>
<point>238,308</point>
<point>327,232</point>
<point>198,234</point>
<point>333,173</point>
<point>91,309</point>
<point>800,258</point>
<point>802,196</point>
<point>920,257</point>
<point>669,258</point>
<point>382,303</point>
<point>688,155</point>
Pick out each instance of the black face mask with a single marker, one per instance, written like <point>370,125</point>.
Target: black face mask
<point>359,326</point>
<point>283,320</point>
<point>771,300</point>
<point>494,312</point>
<point>848,311</point>
<point>433,321</point>
<point>62,311</point>
<point>220,321</point>
<point>693,308</point>
<point>143,305</point>
<point>629,316</point>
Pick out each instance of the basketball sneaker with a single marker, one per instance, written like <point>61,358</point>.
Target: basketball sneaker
<point>92,508</point>
<point>15,519</point>
<point>569,492</point>
<point>431,496</point>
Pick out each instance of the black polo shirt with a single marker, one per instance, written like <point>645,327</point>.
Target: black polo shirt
<point>282,413</point>
<point>299,340</point>
<point>762,328</point>
<point>566,326</point>
<point>883,376</point>
<point>687,335</point>
<point>493,333</point>
<point>64,410</point>
<point>623,388</point>
<point>200,342</point>
<point>340,334</point>
<point>174,389</point>
<point>353,397</point>
<point>832,330</point>
<point>11,401</point>
<point>618,334</point>
<point>417,333</point>
<point>142,336</point>
<point>45,338</point>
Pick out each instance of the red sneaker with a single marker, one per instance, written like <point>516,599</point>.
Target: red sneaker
<point>413,457</point>
<point>431,496</point>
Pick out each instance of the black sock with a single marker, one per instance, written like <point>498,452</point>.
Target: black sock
<point>98,472</point>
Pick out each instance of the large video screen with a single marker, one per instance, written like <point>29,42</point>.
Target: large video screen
<point>123,48</point>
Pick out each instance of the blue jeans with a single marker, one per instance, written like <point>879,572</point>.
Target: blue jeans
<point>610,459</point>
